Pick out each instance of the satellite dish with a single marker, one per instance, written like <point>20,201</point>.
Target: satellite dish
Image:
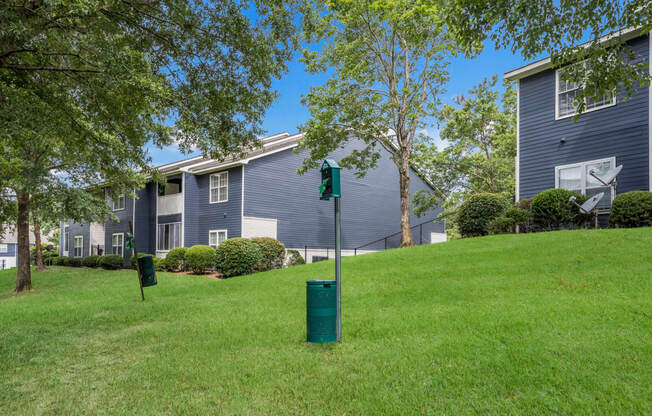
<point>591,203</point>
<point>609,178</point>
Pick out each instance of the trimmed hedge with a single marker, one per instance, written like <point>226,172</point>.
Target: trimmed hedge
<point>132,260</point>
<point>111,262</point>
<point>72,262</point>
<point>199,258</point>
<point>58,261</point>
<point>477,212</point>
<point>175,259</point>
<point>159,264</point>
<point>294,258</point>
<point>631,209</point>
<point>551,208</point>
<point>502,225</point>
<point>273,253</point>
<point>521,217</point>
<point>90,261</point>
<point>238,256</point>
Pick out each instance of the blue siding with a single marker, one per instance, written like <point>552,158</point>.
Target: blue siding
<point>145,219</point>
<point>202,216</point>
<point>121,226</point>
<point>370,205</point>
<point>76,229</point>
<point>620,131</point>
<point>11,247</point>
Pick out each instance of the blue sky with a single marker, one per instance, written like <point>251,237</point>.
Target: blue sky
<point>287,112</point>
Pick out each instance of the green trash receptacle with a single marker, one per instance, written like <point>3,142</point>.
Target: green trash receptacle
<point>321,311</point>
<point>147,273</point>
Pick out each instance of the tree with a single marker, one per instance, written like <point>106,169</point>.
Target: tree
<point>557,28</point>
<point>479,151</point>
<point>84,85</point>
<point>388,63</point>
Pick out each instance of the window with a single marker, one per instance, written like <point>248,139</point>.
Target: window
<point>169,236</point>
<point>216,237</point>
<point>4,248</point>
<point>117,244</point>
<point>219,187</point>
<point>79,243</point>
<point>119,204</point>
<point>577,177</point>
<point>567,91</point>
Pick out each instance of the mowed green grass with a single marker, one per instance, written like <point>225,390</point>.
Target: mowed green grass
<point>549,323</point>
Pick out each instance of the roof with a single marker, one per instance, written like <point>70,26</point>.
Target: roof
<point>546,63</point>
<point>200,164</point>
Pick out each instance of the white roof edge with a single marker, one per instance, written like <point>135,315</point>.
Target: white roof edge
<point>546,63</point>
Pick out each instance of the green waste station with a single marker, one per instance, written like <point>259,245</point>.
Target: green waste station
<point>323,297</point>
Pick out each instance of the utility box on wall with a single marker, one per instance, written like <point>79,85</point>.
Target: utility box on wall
<point>330,180</point>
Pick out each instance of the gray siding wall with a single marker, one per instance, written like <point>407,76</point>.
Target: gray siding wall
<point>166,219</point>
<point>620,131</point>
<point>122,226</point>
<point>202,216</point>
<point>76,229</point>
<point>370,205</point>
<point>145,219</point>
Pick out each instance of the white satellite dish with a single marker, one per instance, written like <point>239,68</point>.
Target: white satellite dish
<point>609,178</point>
<point>590,203</point>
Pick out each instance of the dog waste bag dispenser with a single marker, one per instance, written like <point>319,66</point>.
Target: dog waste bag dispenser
<point>330,180</point>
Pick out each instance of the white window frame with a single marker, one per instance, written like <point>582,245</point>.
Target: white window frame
<point>580,86</point>
<point>582,165</point>
<point>220,198</point>
<point>124,203</point>
<point>4,248</point>
<point>81,246</point>
<point>66,240</point>
<point>217,238</point>
<point>171,243</point>
<point>121,246</point>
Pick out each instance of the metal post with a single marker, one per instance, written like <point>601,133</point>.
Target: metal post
<point>305,253</point>
<point>140,280</point>
<point>338,268</point>
<point>420,233</point>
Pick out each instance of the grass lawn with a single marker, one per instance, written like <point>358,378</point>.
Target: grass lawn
<point>543,323</point>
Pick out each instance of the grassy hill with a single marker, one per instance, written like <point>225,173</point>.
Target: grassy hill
<point>521,324</point>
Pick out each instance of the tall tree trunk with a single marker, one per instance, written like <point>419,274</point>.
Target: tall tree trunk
<point>404,176</point>
<point>23,275</point>
<point>37,241</point>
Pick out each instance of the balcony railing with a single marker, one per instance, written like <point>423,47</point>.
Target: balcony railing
<point>170,204</point>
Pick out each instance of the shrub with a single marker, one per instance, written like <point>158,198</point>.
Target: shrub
<point>72,262</point>
<point>111,262</point>
<point>58,261</point>
<point>175,259</point>
<point>521,217</point>
<point>632,209</point>
<point>551,208</point>
<point>502,225</point>
<point>159,264</point>
<point>48,252</point>
<point>199,258</point>
<point>273,253</point>
<point>524,204</point>
<point>238,256</point>
<point>294,258</point>
<point>477,212</point>
<point>90,261</point>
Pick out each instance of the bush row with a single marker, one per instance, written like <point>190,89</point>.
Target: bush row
<point>483,214</point>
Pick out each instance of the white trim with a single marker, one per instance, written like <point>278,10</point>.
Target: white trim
<point>183,209</point>
<point>242,196</point>
<point>611,159</point>
<point>156,219</point>
<point>271,153</point>
<point>122,239</point>
<point>546,63</point>
<point>81,246</point>
<point>169,165</point>
<point>171,242</point>
<point>210,187</point>
<point>226,236</point>
<point>124,205</point>
<point>517,173</point>
<point>649,100</point>
<point>614,101</point>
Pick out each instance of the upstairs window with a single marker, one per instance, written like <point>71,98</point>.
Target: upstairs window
<point>4,248</point>
<point>77,248</point>
<point>566,91</point>
<point>119,204</point>
<point>216,237</point>
<point>219,187</point>
<point>577,177</point>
